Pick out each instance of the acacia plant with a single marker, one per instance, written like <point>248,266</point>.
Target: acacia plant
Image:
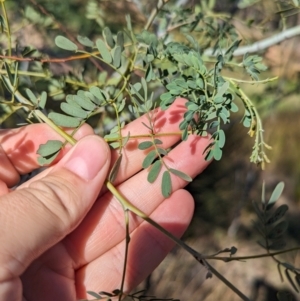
<point>178,53</point>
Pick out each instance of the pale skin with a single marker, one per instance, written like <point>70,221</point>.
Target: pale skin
<point>61,234</point>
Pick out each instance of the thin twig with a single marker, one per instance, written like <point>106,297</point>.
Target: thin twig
<point>154,12</point>
<point>262,44</point>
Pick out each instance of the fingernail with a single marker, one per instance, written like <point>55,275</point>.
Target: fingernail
<point>88,157</point>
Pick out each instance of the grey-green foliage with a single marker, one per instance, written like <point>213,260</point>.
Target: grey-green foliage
<point>181,70</point>
<point>155,150</point>
<point>272,227</point>
<point>270,224</point>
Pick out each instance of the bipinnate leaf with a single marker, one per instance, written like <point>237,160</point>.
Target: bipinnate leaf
<point>63,120</point>
<point>276,193</point>
<point>166,185</point>
<point>181,175</point>
<point>104,51</point>
<point>49,148</point>
<point>145,145</point>
<point>149,159</point>
<point>65,43</point>
<point>154,171</point>
<point>278,214</point>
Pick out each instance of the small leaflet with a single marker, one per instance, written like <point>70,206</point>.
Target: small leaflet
<point>166,184</point>
<point>63,120</point>
<point>154,171</point>
<point>65,43</point>
<point>104,51</point>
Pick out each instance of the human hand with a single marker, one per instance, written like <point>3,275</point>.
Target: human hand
<point>59,237</point>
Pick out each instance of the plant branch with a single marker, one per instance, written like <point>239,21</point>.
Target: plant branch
<point>154,13</point>
<point>228,259</point>
<point>260,45</point>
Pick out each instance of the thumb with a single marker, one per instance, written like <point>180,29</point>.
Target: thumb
<point>41,213</point>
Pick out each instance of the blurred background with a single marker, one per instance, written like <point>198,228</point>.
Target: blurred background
<point>225,191</point>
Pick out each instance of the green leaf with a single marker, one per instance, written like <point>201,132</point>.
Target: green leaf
<point>115,169</point>
<point>31,96</point>
<point>85,41</point>
<point>121,105</point>
<point>276,193</point>
<point>278,230</point>
<point>154,171</point>
<point>217,152</point>
<point>84,103</point>
<point>120,40</point>
<point>65,43</point>
<point>73,110</point>
<point>157,141</point>
<point>181,175</point>
<point>104,51</point>
<point>144,145</point>
<point>278,214</point>
<point>47,160</point>
<point>95,295</point>
<point>222,90</point>
<point>97,92</point>
<point>108,37</point>
<point>128,22</point>
<point>117,57</point>
<point>149,159</point>
<point>221,138</point>
<point>63,120</point>
<point>162,151</point>
<point>166,185</point>
<point>126,139</point>
<point>214,124</point>
<point>49,148</point>
<point>209,155</point>
<point>246,121</point>
<point>145,88</point>
<point>233,107</point>
<point>43,100</point>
